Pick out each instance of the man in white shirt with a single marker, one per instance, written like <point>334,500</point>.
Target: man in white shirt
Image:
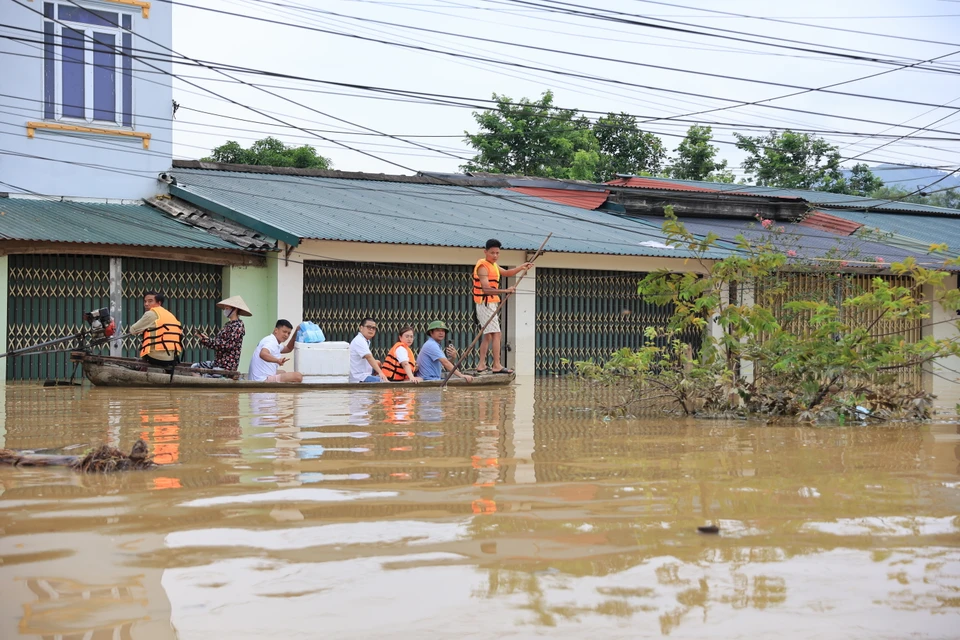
<point>362,363</point>
<point>267,356</point>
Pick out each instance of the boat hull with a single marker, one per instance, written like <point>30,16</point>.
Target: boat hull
<point>123,372</point>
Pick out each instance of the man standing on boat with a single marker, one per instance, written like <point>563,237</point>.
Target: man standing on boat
<point>162,334</point>
<point>486,295</point>
<point>431,360</point>
<point>228,344</point>
<point>267,356</point>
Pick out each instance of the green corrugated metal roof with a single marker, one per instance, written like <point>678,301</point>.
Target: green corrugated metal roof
<point>923,230</point>
<point>832,201</point>
<point>99,223</point>
<point>414,213</point>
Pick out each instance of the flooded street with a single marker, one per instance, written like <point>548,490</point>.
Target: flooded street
<point>498,512</point>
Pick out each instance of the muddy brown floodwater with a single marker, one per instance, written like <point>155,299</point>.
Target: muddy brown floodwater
<point>482,513</point>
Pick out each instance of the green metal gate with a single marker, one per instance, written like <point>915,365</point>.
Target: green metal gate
<point>587,315</point>
<point>192,290</point>
<point>338,295</point>
<point>48,295</point>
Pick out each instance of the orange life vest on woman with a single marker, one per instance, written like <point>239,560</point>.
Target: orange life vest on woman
<point>391,365</point>
<point>493,279</point>
<point>165,335</point>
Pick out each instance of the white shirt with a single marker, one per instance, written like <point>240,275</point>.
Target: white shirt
<point>360,369</point>
<point>403,355</point>
<point>260,369</point>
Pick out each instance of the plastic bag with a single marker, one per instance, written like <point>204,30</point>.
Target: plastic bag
<point>310,332</point>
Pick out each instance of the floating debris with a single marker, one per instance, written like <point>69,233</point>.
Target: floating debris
<point>103,459</point>
<point>710,528</point>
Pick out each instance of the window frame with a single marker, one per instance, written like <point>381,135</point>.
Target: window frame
<point>122,73</point>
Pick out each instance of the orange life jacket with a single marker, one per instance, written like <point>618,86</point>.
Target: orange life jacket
<point>165,335</point>
<point>493,279</point>
<point>391,365</point>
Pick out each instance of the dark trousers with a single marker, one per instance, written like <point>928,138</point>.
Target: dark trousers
<point>161,363</point>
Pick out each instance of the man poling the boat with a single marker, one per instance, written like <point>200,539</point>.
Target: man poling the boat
<point>486,296</point>
<point>162,333</point>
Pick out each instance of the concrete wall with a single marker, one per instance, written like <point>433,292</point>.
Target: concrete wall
<point>52,162</point>
<point>942,377</point>
<point>522,310</point>
<point>257,287</point>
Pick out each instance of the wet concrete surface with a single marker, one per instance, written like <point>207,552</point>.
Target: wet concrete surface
<point>481,513</point>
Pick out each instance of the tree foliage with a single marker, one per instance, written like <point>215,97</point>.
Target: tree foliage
<point>696,158</point>
<point>862,181</point>
<point>269,152</point>
<point>802,161</point>
<point>533,138</point>
<point>839,365</point>
<point>625,148</point>
<point>792,160</point>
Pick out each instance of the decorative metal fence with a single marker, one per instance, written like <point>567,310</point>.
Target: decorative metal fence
<point>587,315</point>
<point>192,291</point>
<point>338,295</point>
<point>48,295</point>
<point>834,289</point>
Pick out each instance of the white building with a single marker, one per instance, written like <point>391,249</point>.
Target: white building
<point>87,97</point>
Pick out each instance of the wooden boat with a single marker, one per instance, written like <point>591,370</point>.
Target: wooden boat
<point>105,371</point>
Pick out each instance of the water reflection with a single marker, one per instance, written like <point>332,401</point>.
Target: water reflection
<point>485,511</point>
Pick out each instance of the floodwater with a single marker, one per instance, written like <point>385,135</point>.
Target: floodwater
<point>484,513</point>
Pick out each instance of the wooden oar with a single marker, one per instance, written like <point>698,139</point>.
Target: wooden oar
<point>496,312</point>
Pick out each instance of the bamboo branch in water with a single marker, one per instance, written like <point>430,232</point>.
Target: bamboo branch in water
<point>103,459</point>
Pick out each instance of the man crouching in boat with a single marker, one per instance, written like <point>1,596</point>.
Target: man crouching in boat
<point>228,343</point>
<point>162,334</point>
<point>431,360</point>
<point>267,356</point>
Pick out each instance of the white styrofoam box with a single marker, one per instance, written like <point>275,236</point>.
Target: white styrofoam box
<point>327,360</point>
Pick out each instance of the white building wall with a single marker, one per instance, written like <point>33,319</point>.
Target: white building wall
<point>83,164</point>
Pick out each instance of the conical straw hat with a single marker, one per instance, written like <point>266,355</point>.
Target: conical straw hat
<point>237,303</point>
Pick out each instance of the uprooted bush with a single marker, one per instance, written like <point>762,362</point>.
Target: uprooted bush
<point>815,356</point>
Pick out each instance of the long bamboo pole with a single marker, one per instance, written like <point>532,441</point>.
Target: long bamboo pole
<point>503,299</point>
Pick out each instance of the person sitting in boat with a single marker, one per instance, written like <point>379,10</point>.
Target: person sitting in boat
<point>432,361</point>
<point>400,363</point>
<point>362,362</point>
<point>162,343</point>
<point>267,356</point>
<point>228,343</point>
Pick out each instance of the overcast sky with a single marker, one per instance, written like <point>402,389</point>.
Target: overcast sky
<point>338,113</point>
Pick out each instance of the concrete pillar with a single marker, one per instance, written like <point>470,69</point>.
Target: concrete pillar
<point>747,298</point>
<point>289,284</point>
<point>522,326</point>
<point>4,296</point>
<point>942,377</point>
<point>116,302</point>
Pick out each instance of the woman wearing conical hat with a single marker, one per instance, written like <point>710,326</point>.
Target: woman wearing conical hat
<point>229,342</point>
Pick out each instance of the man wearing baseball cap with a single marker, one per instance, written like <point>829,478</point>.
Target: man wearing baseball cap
<point>431,361</point>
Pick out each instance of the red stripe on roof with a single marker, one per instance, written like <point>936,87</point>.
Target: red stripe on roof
<point>833,224</point>
<point>581,199</point>
<point>651,183</point>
